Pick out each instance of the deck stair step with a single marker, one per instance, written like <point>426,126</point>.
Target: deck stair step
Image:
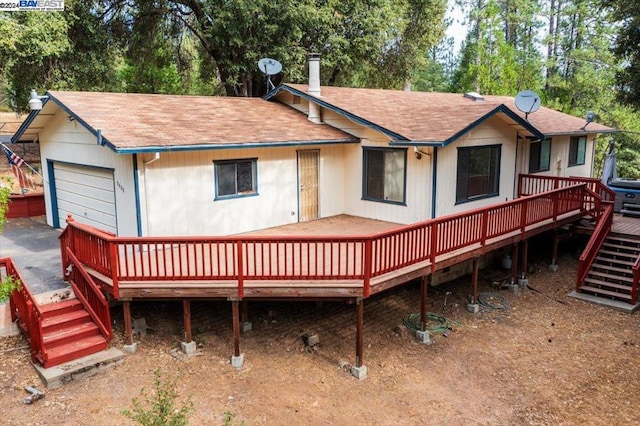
<point>606,293</point>
<point>612,269</point>
<point>68,333</point>
<point>610,276</point>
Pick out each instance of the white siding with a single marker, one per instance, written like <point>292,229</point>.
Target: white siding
<point>491,132</point>
<point>180,191</point>
<point>67,141</point>
<point>559,161</point>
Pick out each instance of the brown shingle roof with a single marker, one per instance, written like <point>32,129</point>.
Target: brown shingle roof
<point>9,123</point>
<point>437,117</point>
<point>133,122</point>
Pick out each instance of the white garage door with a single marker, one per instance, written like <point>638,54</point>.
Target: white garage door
<point>87,193</point>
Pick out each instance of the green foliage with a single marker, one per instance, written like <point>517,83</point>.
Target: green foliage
<point>8,285</point>
<point>5,194</point>
<point>158,409</point>
<point>626,15</point>
<point>500,54</point>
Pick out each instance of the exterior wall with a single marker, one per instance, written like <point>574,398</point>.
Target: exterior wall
<point>559,163</point>
<point>178,191</point>
<point>491,132</point>
<point>418,185</point>
<point>68,141</point>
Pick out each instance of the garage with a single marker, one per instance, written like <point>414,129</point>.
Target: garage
<point>87,193</point>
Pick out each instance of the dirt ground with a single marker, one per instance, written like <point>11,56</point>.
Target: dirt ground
<point>547,359</point>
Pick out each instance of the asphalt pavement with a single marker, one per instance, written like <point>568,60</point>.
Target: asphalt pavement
<point>34,248</point>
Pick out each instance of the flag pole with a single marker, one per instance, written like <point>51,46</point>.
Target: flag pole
<point>25,163</point>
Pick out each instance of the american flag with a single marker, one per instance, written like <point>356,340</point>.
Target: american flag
<point>15,161</point>
<point>13,158</point>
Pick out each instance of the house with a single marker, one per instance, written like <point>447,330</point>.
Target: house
<point>204,168</point>
<point>145,165</point>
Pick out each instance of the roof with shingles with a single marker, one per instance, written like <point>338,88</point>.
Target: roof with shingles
<point>143,122</point>
<point>438,117</point>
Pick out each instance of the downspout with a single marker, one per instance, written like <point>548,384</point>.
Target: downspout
<point>156,157</point>
<point>515,168</point>
<point>434,180</point>
<point>136,190</point>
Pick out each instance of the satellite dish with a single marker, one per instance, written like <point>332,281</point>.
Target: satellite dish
<point>527,101</point>
<point>269,67</point>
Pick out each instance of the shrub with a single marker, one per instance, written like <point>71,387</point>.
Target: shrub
<point>158,409</point>
<point>8,285</point>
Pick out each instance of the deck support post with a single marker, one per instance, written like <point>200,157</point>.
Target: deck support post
<point>237,359</point>
<point>474,306</point>
<point>513,287</point>
<point>423,334</point>
<point>523,281</point>
<point>554,252</point>
<point>188,346</point>
<point>129,345</point>
<point>245,323</point>
<point>359,370</point>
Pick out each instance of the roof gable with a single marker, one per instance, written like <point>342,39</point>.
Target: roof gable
<point>129,123</point>
<point>428,118</point>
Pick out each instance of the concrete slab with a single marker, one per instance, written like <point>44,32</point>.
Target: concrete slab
<point>614,304</point>
<point>54,377</point>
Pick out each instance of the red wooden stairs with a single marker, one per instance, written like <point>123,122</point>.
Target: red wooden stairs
<point>68,333</point>
<point>611,275</point>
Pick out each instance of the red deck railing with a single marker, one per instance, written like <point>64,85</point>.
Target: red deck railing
<point>534,184</point>
<point>89,294</point>
<point>25,308</point>
<point>595,243</point>
<point>636,280</point>
<point>236,259</point>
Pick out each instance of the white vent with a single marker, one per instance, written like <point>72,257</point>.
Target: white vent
<point>475,96</point>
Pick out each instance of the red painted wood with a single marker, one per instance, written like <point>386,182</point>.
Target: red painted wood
<point>236,259</point>
<point>26,205</point>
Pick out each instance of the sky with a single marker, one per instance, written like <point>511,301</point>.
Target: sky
<point>456,30</point>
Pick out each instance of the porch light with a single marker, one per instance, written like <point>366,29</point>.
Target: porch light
<point>35,103</point>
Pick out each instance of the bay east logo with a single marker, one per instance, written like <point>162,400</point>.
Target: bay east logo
<point>41,4</point>
<point>31,5</point>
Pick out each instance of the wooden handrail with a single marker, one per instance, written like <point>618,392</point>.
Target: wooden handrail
<point>529,184</point>
<point>236,259</point>
<point>89,294</point>
<point>26,309</point>
<point>595,243</point>
<point>636,280</point>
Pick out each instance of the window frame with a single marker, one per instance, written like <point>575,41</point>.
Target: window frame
<point>496,167</point>
<point>574,151</point>
<point>365,173</point>
<point>537,145</point>
<point>236,194</point>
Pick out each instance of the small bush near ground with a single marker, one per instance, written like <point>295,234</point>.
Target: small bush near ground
<point>7,286</point>
<point>158,408</point>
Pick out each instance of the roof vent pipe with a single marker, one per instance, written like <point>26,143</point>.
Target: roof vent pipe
<point>314,87</point>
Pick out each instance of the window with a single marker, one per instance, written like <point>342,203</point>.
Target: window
<point>235,178</point>
<point>478,173</point>
<point>577,150</point>
<point>384,174</point>
<point>539,156</point>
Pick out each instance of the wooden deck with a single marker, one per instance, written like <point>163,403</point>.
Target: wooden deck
<point>341,257</point>
<point>626,225</point>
